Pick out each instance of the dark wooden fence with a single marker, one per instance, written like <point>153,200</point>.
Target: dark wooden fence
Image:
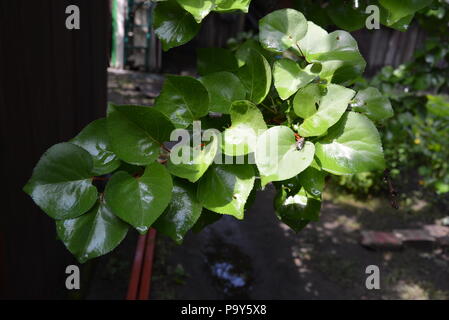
<point>52,83</point>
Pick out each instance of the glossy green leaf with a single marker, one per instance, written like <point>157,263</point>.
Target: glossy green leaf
<point>297,210</point>
<point>140,200</point>
<point>277,156</point>
<point>232,5</point>
<point>212,60</point>
<point>282,29</point>
<point>93,234</point>
<point>94,139</point>
<point>173,25</point>
<point>312,180</point>
<point>182,213</point>
<point>438,105</point>
<point>307,100</point>
<point>337,52</point>
<point>352,146</point>
<point>244,51</point>
<point>222,96</point>
<point>332,106</point>
<point>61,184</point>
<point>373,104</point>
<point>400,9</point>
<point>225,188</point>
<point>256,77</point>
<point>247,125</point>
<point>199,9</point>
<point>289,77</point>
<point>197,163</point>
<point>183,100</point>
<point>137,133</point>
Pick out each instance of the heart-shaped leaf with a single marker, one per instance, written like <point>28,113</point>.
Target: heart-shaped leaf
<point>373,104</point>
<point>183,100</point>
<point>61,184</point>
<point>173,25</point>
<point>213,60</point>
<point>277,156</point>
<point>312,180</point>
<point>182,213</point>
<point>231,5</point>
<point>307,100</point>
<point>222,97</point>
<point>94,139</point>
<point>337,52</point>
<point>297,210</point>
<point>256,77</point>
<point>137,133</point>
<point>400,9</point>
<point>289,77</point>
<point>140,200</point>
<point>198,8</point>
<point>93,234</point>
<point>243,52</point>
<point>225,188</point>
<point>247,125</point>
<point>197,162</point>
<point>351,146</point>
<point>282,29</point>
<point>331,108</point>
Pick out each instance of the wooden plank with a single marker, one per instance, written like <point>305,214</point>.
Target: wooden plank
<point>53,82</point>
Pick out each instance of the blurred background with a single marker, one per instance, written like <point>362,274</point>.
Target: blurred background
<point>55,81</point>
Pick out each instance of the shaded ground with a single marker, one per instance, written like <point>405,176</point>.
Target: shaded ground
<point>260,258</point>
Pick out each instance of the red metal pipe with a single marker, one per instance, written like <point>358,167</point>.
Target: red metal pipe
<point>147,271</point>
<point>140,280</point>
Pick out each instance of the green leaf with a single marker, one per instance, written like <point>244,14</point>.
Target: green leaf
<point>196,165</point>
<point>247,125</point>
<point>173,25</point>
<point>331,108</point>
<point>313,181</point>
<point>297,210</point>
<point>289,77</point>
<point>222,96</point>
<point>277,156</point>
<point>94,139</point>
<point>400,9</point>
<point>225,188</point>
<point>231,5</point>
<point>438,105</point>
<point>373,104</point>
<point>307,100</point>
<point>345,16</point>
<point>61,184</point>
<point>337,52</point>
<point>182,213</point>
<point>207,218</point>
<point>282,29</point>
<point>352,146</point>
<point>140,201</point>
<point>212,60</point>
<point>198,8</point>
<point>183,100</point>
<point>137,133</point>
<point>256,77</point>
<point>94,234</point>
<point>244,51</point>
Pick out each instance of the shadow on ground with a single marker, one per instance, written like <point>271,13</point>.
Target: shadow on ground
<point>260,258</point>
